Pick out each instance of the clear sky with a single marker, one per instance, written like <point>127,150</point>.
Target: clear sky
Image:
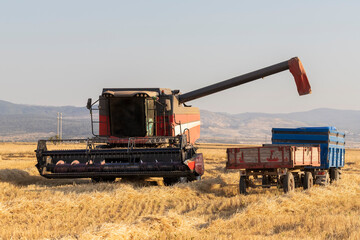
<point>62,52</point>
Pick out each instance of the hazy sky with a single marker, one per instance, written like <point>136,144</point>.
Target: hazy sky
<point>62,52</point>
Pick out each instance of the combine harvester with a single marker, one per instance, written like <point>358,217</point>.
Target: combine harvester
<point>146,132</point>
<point>297,157</point>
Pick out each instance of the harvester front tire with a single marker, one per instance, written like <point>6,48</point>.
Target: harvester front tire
<point>194,178</point>
<point>308,180</point>
<point>289,183</point>
<point>103,179</point>
<point>242,185</point>
<point>169,181</point>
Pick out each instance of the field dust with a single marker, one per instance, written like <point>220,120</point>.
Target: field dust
<point>32,207</point>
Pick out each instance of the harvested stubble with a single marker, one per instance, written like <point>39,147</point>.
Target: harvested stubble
<point>32,207</point>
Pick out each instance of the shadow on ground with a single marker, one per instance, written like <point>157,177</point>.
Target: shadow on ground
<point>23,178</point>
<point>19,177</point>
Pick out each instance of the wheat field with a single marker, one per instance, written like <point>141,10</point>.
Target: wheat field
<point>32,207</point>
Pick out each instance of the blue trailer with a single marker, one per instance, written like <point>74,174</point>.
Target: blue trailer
<point>332,148</point>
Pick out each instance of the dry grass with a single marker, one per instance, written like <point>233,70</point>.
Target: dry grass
<point>32,207</point>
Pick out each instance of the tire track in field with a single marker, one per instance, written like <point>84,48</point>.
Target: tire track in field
<point>214,208</point>
<point>191,205</point>
<point>147,208</point>
<point>141,207</point>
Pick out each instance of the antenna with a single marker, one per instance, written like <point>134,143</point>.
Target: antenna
<point>59,126</point>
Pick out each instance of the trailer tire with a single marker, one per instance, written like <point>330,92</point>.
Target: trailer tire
<point>242,185</point>
<point>265,181</point>
<point>289,183</point>
<point>327,179</point>
<point>308,180</point>
<point>334,175</point>
<point>337,175</point>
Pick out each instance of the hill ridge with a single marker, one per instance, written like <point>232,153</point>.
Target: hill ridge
<point>23,122</point>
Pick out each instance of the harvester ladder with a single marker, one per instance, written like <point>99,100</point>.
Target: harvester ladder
<point>131,144</point>
<point>96,122</point>
<point>154,122</point>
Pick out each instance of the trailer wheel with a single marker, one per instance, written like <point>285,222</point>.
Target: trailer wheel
<point>265,181</point>
<point>327,179</point>
<point>337,175</point>
<point>242,185</point>
<point>334,175</point>
<point>289,183</point>
<point>308,180</point>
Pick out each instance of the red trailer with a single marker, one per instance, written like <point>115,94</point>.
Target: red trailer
<point>284,166</point>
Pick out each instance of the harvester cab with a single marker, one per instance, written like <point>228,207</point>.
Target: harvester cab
<point>146,132</point>
<point>138,112</point>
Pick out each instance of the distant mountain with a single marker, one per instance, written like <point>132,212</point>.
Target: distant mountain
<point>256,127</point>
<point>8,108</point>
<point>20,122</point>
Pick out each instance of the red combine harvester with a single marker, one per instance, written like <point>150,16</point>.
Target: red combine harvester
<point>146,132</point>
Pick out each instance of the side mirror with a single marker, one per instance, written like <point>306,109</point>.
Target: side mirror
<point>88,105</point>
